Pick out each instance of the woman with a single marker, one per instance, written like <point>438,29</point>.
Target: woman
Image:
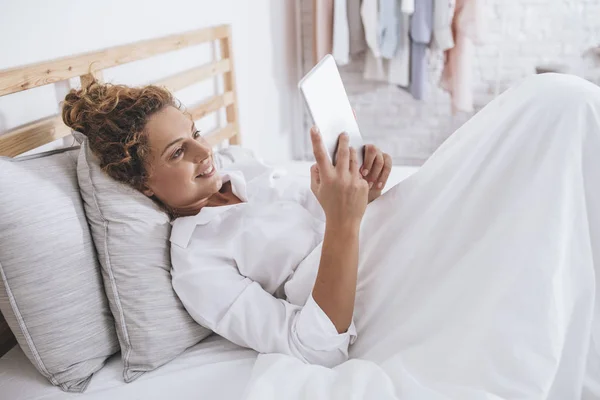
<point>479,266</point>
<point>143,138</point>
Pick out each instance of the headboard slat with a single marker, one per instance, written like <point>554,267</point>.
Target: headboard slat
<point>194,75</point>
<point>23,78</point>
<point>33,135</point>
<point>211,105</point>
<point>229,84</point>
<point>225,133</point>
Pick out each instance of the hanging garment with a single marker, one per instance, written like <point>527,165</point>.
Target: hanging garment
<point>358,44</point>
<point>421,28</point>
<point>369,12</point>
<point>457,77</point>
<point>399,66</point>
<point>341,33</point>
<point>322,28</point>
<point>388,28</point>
<point>408,6</point>
<point>396,70</point>
<point>443,12</point>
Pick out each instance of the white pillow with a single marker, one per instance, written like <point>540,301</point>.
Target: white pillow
<point>131,234</point>
<point>51,291</point>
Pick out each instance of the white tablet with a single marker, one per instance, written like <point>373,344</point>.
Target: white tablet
<point>329,107</point>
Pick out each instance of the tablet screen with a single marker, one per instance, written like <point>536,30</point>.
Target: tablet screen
<point>330,109</point>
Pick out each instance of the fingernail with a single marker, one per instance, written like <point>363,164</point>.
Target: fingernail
<point>380,185</point>
<point>345,134</point>
<point>365,172</point>
<point>370,185</point>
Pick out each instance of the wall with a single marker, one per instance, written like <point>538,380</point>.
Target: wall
<point>519,35</point>
<point>263,39</point>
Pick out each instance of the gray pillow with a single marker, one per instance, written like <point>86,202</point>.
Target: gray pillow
<point>51,291</point>
<point>131,235</point>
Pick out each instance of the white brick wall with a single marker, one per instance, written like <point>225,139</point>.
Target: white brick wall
<point>535,32</point>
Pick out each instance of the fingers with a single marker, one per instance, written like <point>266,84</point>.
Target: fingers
<point>314,173</point>
<point>315,180</point>
<point>376,168</point>
<point>319,150</point>
<point>370,154</point>
<point>343,153</point>
<point>354,162</point>
<point>385,173</point>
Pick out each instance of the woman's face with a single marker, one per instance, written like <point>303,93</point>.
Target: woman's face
<point>180,165</point>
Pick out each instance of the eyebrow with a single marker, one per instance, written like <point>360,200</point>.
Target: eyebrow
<point>175,141</point>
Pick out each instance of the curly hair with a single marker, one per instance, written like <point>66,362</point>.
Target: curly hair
<point>113,118</point>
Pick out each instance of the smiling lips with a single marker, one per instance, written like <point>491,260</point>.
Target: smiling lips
<point>208,172</point>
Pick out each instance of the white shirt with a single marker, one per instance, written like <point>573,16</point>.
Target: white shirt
<point>231,265</point>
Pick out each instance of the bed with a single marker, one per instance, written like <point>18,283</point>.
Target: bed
<point>214,368</point>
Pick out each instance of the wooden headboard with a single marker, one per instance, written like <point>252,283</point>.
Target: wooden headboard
<point>89,65</point>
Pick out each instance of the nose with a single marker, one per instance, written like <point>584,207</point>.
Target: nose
<point>200,151</point>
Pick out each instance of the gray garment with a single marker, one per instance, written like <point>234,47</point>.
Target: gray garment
<point>358,42</point>
<point>388,28</point>
<point>418,70</point>
<point>421,29</point>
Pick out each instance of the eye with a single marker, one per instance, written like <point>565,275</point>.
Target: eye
<point>196,134</point>
<point>177,153</point>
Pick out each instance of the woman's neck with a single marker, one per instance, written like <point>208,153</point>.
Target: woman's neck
<point>224,197</point>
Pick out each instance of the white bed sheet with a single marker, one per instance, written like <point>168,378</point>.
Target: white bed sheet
<point>213,369</point>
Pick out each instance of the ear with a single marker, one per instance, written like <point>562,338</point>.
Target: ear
<point>147,191</point>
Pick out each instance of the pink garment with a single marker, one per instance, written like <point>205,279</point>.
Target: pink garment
<point>457,77</point>
<point>322,28</point>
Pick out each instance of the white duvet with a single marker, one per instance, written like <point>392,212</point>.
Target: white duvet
<point>477,274</point>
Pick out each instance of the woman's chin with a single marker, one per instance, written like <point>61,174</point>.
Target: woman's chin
<point>218,181</point>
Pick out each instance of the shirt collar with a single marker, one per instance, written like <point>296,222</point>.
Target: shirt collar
<point>184,227</point>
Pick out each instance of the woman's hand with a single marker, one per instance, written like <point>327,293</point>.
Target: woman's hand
<point>376,170</point>
<point>340,189</point>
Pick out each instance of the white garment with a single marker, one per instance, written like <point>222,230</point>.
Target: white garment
<point>341,33</point>
<point>399,67</point>
<point>397,70</point>
<point>408,6</point>
<point>479,275</point>
<point>230,264</point>
<point>443,12</point>
<point>369,12</point>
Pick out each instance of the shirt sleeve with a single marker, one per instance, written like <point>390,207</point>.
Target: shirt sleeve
<point>310,202</point>
<point>237,308</point>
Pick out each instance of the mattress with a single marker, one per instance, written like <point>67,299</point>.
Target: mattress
<point>212,369</point>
